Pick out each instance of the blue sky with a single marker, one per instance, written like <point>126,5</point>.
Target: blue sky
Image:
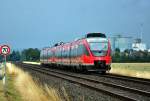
<point>40,23</point>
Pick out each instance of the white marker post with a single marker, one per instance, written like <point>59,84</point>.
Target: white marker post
<point>4,50</point>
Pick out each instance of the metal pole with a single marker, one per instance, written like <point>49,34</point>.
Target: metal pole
<point>4,78</point>
<point>141,31</point>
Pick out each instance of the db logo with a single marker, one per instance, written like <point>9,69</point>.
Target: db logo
<point>5,50</point>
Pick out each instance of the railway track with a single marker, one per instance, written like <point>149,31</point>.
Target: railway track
<point>126,78</point>
<point>117,90</point>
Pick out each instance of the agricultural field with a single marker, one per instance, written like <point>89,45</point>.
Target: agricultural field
<point>141,70</point>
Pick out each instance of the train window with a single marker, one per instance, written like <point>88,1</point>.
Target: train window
<point>73,51</point>
<point>98,45</point>
<point>41,55</point>
<point>44,54</point>
<point>89,35</point>
<point>85,51</point>
<point>99,48</point>
<point>82,50</point>
<point>65,54</point>
<point>68,52</point>
<point>59,53</point>
<point>62,51</point>
<point>49,53</point>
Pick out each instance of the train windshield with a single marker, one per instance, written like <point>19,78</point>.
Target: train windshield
<point>99,48</point>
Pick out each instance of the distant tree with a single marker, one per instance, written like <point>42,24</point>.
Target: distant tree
<point>117,50</point>
<point>130,55</point>
<point>116,55</point>
<point>31,54</point>
<point>14,56</point>
<point>1,58</point>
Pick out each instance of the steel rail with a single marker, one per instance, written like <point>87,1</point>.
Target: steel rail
<point>142,92</point>
<point>127,78</point>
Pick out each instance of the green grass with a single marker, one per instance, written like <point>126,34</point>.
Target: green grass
<point>2,96</point>
<point>11,93</point>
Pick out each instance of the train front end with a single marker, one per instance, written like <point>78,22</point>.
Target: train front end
<point>100,52</point>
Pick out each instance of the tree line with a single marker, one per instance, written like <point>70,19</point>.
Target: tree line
<point>30,54</point>
<point>129,55</point>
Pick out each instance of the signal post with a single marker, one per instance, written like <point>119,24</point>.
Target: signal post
<point>4,51</point>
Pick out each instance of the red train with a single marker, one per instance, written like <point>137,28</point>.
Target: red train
<point>91,53</point>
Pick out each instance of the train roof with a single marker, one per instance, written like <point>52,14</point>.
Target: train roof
<point>91,35</point>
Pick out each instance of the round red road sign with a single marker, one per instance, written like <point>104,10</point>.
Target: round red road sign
<point>5,50</point>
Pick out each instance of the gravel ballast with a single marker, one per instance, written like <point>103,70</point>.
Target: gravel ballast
<point>75,92</point>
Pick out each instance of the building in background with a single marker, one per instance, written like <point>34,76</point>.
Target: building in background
<point>121,42</point>
<point>138,45</point>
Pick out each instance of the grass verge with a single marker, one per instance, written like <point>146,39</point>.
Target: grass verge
<point>29,89</point>
<point>12,94</point>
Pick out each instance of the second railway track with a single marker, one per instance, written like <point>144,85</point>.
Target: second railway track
<point>117,90</point>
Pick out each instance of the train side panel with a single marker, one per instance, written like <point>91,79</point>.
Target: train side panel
<point>79,54</point>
